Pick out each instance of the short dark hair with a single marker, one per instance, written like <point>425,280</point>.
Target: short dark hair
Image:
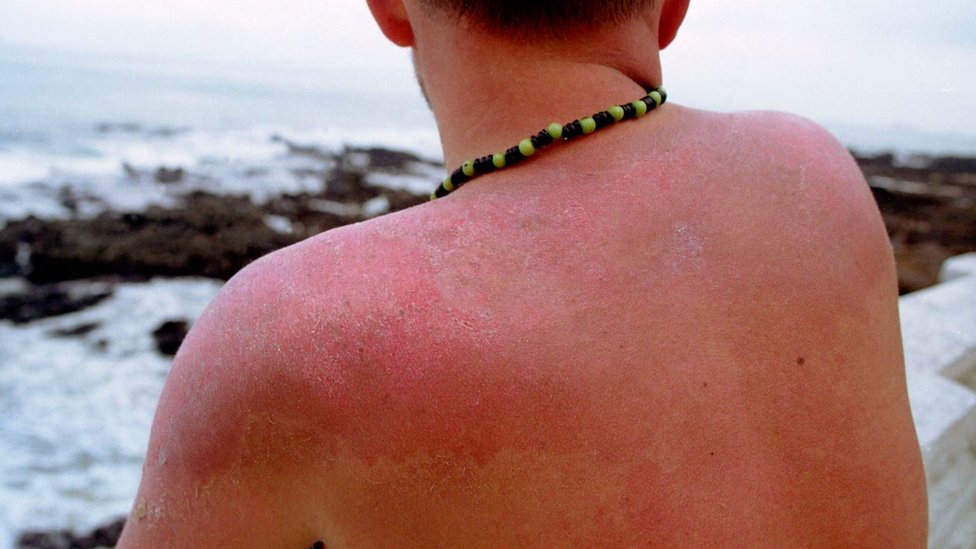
<point>546,16</point>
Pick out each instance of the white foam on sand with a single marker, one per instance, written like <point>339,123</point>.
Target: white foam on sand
<point>75,412</point>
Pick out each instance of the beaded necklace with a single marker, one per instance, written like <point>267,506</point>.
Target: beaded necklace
<point>529,146</point>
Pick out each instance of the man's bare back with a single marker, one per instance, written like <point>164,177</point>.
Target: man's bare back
<point>692,341</point>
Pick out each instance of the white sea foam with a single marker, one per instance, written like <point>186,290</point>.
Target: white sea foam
<point>18,168</point>
<point>75,411</point>
<point>116,171</point>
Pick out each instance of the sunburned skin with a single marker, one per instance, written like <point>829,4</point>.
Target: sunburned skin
<point>691,342</point>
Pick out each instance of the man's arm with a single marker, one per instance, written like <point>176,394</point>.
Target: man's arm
<point>226,461</point>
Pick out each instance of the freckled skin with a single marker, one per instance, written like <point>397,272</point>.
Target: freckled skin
<point>699,348</point>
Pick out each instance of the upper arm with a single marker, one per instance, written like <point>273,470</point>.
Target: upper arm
<point>833,293</point>
<point>226,452</point>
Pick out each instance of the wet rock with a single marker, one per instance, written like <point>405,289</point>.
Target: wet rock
<point>309,151</point>
<point>205,235</point>
<point>929,209</point>
<point>169,336</point>
<point>306,215</point>
<point>77,331</point>
<point>8,259</point>
<point>48,300</point>
<point>166,175</point>
<point>212,236</point>
<point>385,159</point>
<point>118,127</point>
<point>103,536</point>
<point>953,164</point>
<point>348,185</point>
<point>401,200</point>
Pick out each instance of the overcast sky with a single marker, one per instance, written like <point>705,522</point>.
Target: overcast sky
<point>883,63</point>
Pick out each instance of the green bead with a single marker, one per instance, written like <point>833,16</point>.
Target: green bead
<point>526,147</point>
<point>555,130</point>
<point>656,97</point>
<point>448,184</point>
<point>433,196</point>
<point>468,168</point>
<point>617,112</point>
<point>498,159</point>
<point>588,124</point>
<point>640,107</point>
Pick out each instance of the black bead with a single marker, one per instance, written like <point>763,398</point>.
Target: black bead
<point>484,165</point>
<point>541,139</point>
<point>650,102</point>
<point>513,156</point>
<point>603,119</point>
<point>573,129</point>
<point>664,95</point>
<point>629,111</point>
<point>440,191</point>
<point>459,178</point>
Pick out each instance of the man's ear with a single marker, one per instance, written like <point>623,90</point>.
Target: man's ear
<point>392,18</point>
<point>672,15</point>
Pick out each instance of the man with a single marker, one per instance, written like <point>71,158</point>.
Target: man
<point>679,331</point>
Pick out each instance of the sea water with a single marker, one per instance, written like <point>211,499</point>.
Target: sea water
<point>76,119</point>
<point>75,411</point>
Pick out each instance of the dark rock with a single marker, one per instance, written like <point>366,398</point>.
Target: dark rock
<point>206,235</point>
<point>68,199</point>
<point>348,185</point>
<point>953,164</point>
<point>166,175</point>
<point>213,236</point>
<point>104,536</point>
<point>295,149</point>
<point>308,219</point>
<point>8,256</point>
<point>401,200</point>
<point>169,336</point>
<point>118,127</point>
<point>77,331</point>
<point>43,301</point>
<point>130,171</point>
<point>385,159</point>
<point>929,211</point>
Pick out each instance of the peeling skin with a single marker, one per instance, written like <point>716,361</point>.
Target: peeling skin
<point>584,367</point>
<point>140,511</point>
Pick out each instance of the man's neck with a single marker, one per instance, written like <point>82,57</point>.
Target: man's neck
<point>487,93</point>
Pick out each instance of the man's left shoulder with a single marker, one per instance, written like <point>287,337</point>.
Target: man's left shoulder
<point>810,170</point>
<point>258,393</point>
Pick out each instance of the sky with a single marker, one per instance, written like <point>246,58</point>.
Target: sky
<point>894,65</point>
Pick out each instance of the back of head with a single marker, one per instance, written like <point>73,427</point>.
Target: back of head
<point>548,17</point>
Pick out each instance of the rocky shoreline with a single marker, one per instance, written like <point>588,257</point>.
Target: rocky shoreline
<point>103,536</point>
<point>202,234</point>
<point>928,204</point>
<point>929,209</point>
<point>54,266</point>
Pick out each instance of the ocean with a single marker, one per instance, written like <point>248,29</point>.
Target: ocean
<point>75,409</point>
<point>67,117</point>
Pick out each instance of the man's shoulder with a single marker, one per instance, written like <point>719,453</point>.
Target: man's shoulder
<point>778,174</point>
<point>759,137</point>
<point>333,281</point>
<point>259,389</point>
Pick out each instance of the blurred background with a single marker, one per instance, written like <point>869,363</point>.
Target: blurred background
<point>149,149</point>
